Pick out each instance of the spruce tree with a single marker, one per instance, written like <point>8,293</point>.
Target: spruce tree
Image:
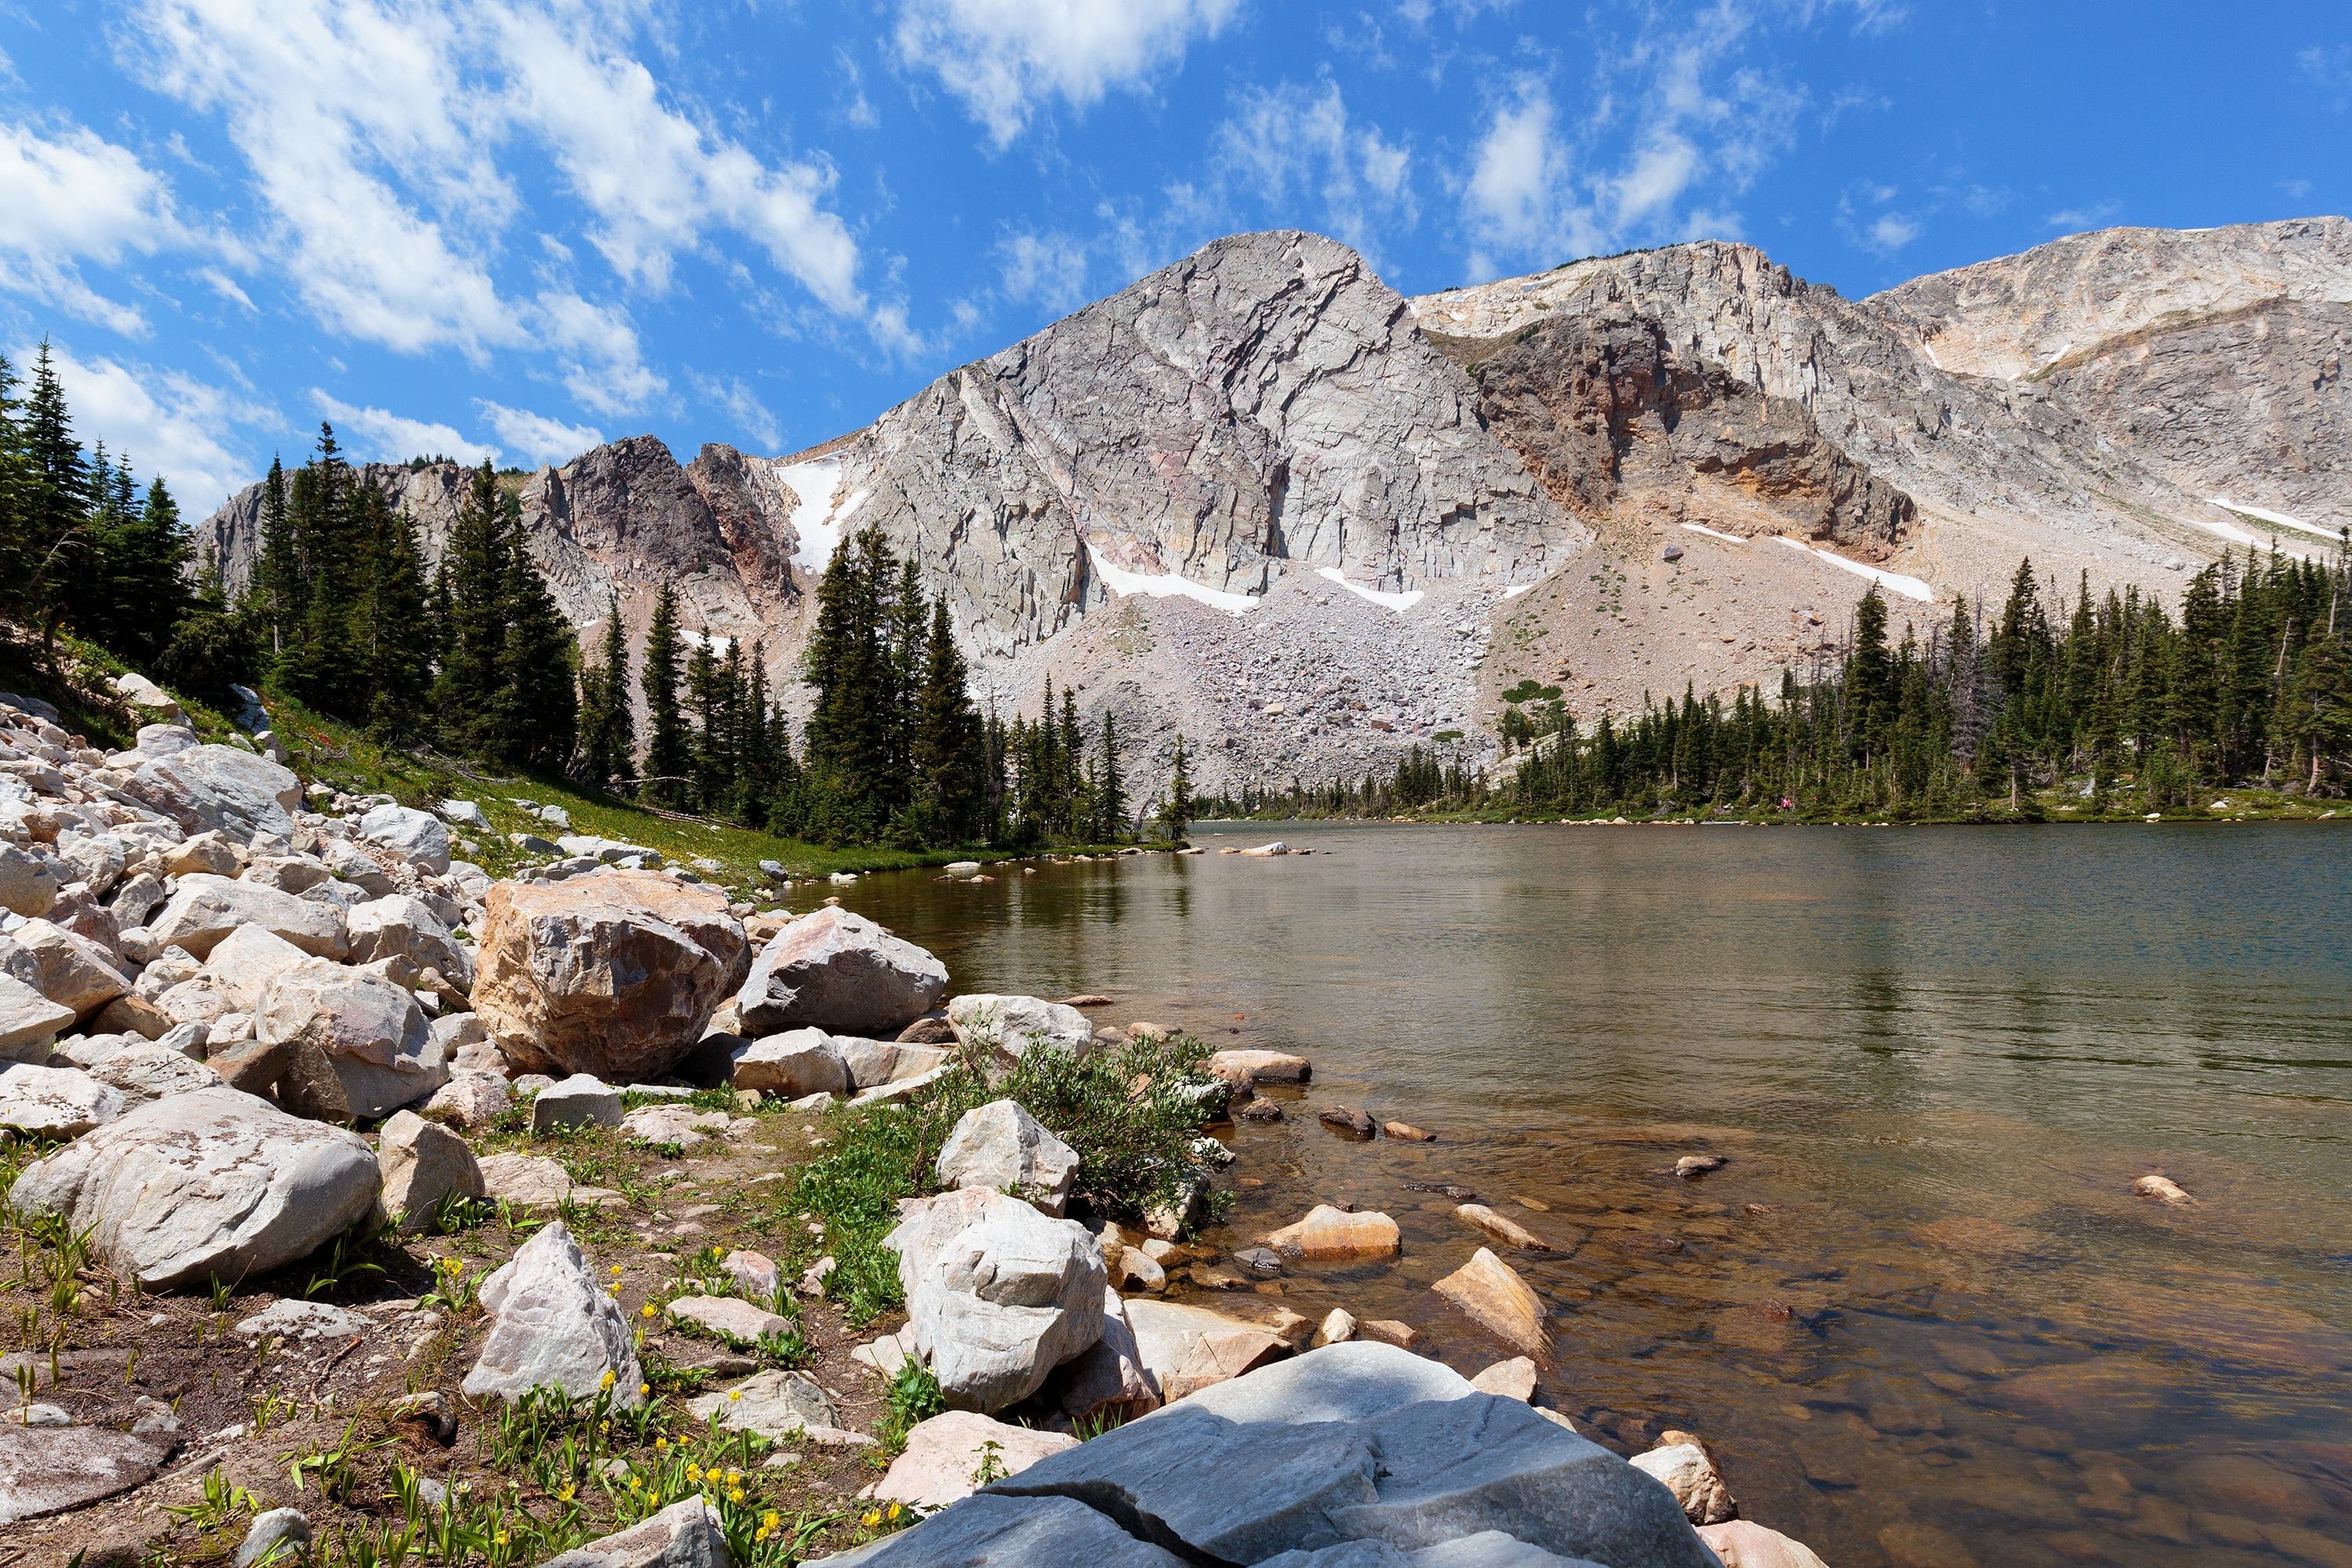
<point>608,729</point>
<point>1176,811</point>
<point>1110,793</point>
<point>395,628</point>
<point>668,760</point>
<point>949,754</point>
<point>469,692</point>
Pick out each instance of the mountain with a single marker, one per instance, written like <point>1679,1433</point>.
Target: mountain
<point>1260,497</point>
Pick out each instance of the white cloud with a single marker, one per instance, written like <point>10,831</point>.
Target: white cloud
<point>1047,270</point>
<point>76,196</point>
<point>378,435</point>
<point>1002,57</point>
<point>2073,220</point>
<point>167,424</point>
<point>1295,147</point>
<point>1890,232</point>
<point>536,438</point>
<point>1518,197</point>
<point>754,417</point>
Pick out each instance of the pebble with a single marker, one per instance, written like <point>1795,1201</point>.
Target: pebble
<point>1691,1167</point>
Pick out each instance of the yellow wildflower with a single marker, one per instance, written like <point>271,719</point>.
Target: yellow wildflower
<point>636,1484</point>
<point>769,1519</point>
<point>734,1477</point>
<point>500,1538</point>
<point>603,1425</point>
<point>565,1494</point>
<point>694,1472</point>
<point>648,1309</point>
<point>894,1510</point>
<point>734,1394</point>
<point>662,1444</point>
<point>644,1389</point>
<point>735,1495</point>
<point>873,1517</point>
<point>605,1383</point>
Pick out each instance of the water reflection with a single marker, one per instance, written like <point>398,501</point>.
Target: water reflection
<point>1920,1314</point>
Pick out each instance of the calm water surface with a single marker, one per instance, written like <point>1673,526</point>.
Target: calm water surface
<point>1921,1315</point>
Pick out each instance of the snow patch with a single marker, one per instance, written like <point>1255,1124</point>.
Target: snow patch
<point>2279,518</point>
<point>2229,530</point>
<point>1165,586</point>
<point>1711,533</point>
<point>1909,587</point>
<point>816,521</point>
<point>1517,589</point>
<point>1397,602</point>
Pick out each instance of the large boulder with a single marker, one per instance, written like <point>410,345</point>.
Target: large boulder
<point>841,973</point>
<point>369,1032</point>
<point>244,963</point>
<point>992,1531</point>
<point>28,882</point>
<point>422,1164</point>
<point>146,1071</point>
<point>945,1452</point>
<point>53,1102</point>
<point>584,976</point>
<point>68,969</point>
<point>1002,1029</point>
<point>417,836</point>
<point>553,1325</point>
<point>1002,1147</point>
<point>28,1021</point>
<point>204,908</point>
<point>208,1185</point>
<point>401,926</point>
<point>220,788</point>
<point>1313,1458</point>
<point>997,1294</point>
<point>792,1065</point>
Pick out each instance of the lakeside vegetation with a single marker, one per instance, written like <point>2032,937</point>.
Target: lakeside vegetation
<point>2077,708</point>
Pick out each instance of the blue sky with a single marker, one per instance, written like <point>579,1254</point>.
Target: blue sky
<point>517,227</point>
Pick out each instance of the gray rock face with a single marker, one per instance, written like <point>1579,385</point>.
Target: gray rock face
<point>683,1535</point>
<point>990,1531</point>
<point>1001,1145</point>
<point>369,1031</point>
<point>49,1469</point>
<point>553,1326</point>
<point>841,973</point>
<point>210,1183</point>
<point>1005,1028</point>
<point>417,836</point>
<point>997,1295</point>
<point>220,788</point>
<point>204,908</point>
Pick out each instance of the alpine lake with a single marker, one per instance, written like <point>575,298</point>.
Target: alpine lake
<point>1921,1315</point>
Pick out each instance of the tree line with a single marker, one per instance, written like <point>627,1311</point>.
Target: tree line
<point>473,656</point>
<point>2129,705</point>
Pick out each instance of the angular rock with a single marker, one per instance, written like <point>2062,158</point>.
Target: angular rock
<point>1186,1349</point>
<point>28,1021</point>
<point>997,1294</point>
<point>1503,1228</point>
<point>999,1146</point>
<point>205,909</point>
<point>422,1164</point>
<point>1253,1067</point>
<point>1002,1029</point>
<point>1512,1379</point>
<point>472,1100</point>
<point>370,1033</point>
<point>417,836</point>
<point>55,1102</point>
<point>242,965</point>
<point>991,1532</point>
<point>1356,1381</point>
<point>286,1532</point>
<point>1491,1294</point>
<point>70,970</point>
<point>147,1071</point>
<point>295,1318</point>
<point>944,1454</point>
<point>731,1318</point>
<point>401,926</point>
<point>28,882</point>
<point>841,973</point>
<point>581,1101</point>
<point>752,1273</point>
<point>777,1404</point>
<point>209,854</point>
<point>872,1064</point>
<point>531,1181</point>
<point>1348,1121</point>
<point>553,1326</point>
<point>1329,1234</point>
<point>685,1534</point>
<point>1337,1327</point>
<point>209,1184</point>
<point>1681,1463</point>
<point>790,1065</point>
<point>137,898</point>
<point>1742,1543</point>
<point>50,1469</point>
<point>679,1124</point>
<point>580,976</point>
<point>220,788</point>
<point>1107,1379</point>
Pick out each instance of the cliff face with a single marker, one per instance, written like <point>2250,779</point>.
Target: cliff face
<point>1259,498</point>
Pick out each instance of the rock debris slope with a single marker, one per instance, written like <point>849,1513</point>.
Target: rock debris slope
<point>1261,498</point>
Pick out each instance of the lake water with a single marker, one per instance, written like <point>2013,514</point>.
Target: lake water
<point>1921,1315</point>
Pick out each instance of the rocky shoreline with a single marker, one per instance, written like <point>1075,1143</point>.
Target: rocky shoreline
<point>255,1032</point>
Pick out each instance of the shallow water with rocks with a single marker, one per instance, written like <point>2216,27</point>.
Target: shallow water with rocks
<point>1919,1312</point>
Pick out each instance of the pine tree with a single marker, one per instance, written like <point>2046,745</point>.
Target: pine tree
<point>608,730</point>
<point>668,760</point>
<point>949,751</point>
<point>539,712</point>
<point>395,631</point>
<point>1110,793</point>
<point>1176,811</point>
<point>469,692</point>
<point>56,499</point>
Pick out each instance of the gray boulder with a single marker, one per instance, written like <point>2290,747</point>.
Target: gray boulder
<point>401,926</point>
<point>68,969</point>
<point>142,1071</point>
<point>285,1531</point>
<point>683,1535</point>
<point>553,1326</point>
<point>28,1021</point>
<point>997,1294</point>
<point>421,1164</point>
<point>1004,1028</point>
<point>210,853</point>
<point>581,1101</point>
<point>221,787</point>
<point>1001,1146</point>
<point>28,882</point>
<point>417,836</point>
<point>55,1102</point>
<point>991,1531</point>
<point>204,908</point>
<point>369,1031</point>
<point>794,1064</point>
<point>211,1183</point>
<point>839,972</point>
<point>50,1469</point>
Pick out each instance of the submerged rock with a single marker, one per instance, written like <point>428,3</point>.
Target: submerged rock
<point>1491,1294</point>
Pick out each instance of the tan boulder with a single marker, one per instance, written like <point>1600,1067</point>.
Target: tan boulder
<point>1329,1234</point>
<point>1490,1293</point>
<point>949,1456</point>
<point>1742,1543</point>
<point>588,975</point>
<point>28,1021</point>
<point>1681,1464</point>
<point>1256,1066</point>
<point>1503,1228</point>
<point>1186,1349</point>
<point>71,971</point>
<point>1512,1379</point>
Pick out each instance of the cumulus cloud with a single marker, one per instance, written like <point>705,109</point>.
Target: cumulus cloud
<point>1295,147</point>
<point>2073,220</point>
<point>1047,270</point>
<point>166,424</point>
<point>1518,198</point>
<point>378,435</point>
<point>535,438</point>
<point>74,196</point>
<point>1003,59</point>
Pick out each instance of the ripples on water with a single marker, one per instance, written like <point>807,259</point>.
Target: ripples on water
<point>1920,1316</point>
